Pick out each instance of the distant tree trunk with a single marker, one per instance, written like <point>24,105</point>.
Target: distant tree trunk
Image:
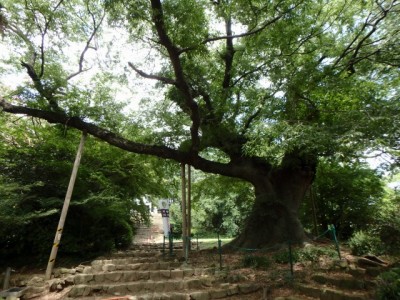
<point>274,219</point>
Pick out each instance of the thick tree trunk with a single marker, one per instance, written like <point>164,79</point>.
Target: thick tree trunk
<point>274,219</point>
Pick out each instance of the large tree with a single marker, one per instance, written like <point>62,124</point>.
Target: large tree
<point>256,90</point>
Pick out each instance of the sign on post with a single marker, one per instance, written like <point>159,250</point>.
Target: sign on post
<point>163,206</point>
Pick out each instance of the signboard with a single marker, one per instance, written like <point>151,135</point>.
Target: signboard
<point>163,206</point>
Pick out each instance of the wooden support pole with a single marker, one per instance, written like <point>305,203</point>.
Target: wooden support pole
<point>184,216</point>
<point>6,283</point>
<point>189,206</point>
<point>64,210</point>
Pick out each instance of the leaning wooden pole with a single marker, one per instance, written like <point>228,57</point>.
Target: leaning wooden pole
<point>184,216</point>
<point>189,205</point>
<point>64,210</point>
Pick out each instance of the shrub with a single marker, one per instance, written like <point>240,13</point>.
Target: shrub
<point>314,253</point>
<point>389,285</point>
<point>283,257</point>
<point>362,243</point>
<point>258,262</point>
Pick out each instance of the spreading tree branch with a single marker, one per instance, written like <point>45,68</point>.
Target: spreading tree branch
<point>181,82</point>
<point>226,169</point>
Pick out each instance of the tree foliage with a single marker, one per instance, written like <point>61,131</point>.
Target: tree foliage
<point>252,90</point>
<point>36,162</point>
<point>348,196</point>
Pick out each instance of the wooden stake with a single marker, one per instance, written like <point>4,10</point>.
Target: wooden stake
<point>189,206</point>
<point>184,216</point>
<point>64,210</point>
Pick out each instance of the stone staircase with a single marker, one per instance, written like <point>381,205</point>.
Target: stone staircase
<point>147,274</point>
<point>347,280</point>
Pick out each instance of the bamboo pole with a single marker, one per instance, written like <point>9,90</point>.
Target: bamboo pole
<point>189,206</point>
<point>184,216</point>
<point>64,210</point>
<point>314,211</point>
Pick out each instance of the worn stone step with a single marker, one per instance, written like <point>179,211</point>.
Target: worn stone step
<point>130,276</point>
<point>342,281</point>
<point>117,264</point>
<point>324,293</point>
<point>172,290</point>
<point>136,253</point>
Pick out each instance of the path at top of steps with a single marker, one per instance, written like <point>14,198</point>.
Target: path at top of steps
<point>152,234</point>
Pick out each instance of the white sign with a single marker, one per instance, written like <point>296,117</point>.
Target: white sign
<point>163,206</point>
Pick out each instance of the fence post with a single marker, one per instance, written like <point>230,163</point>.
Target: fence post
<point>163,245</point>
<point>220,252</point>
<point>171,244</point>
<point>333,230</point>
<point>290,258</point>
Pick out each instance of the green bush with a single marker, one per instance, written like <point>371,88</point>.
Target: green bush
<point>389,285</point>
<point>362,243</point>
<point>314,253</point>
<point>258,262</point>
<point>283,257</point>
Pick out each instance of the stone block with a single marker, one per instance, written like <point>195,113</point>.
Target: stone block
<point>143,275</point>
<point>200,295</point>
<point>218,294</point>
<point>82,278</point>
<point>100,277</point>
<point>188,272</point>
<point>79,291</point>
<point>233,290</point>
<point>128,276</point>
<point>248,288</point>
<point>135,266</point>
<point>135,287</point>
<point>176,274</point>
<point>117,289</point>
<point>309,290</point>
<point>89,270</point>
<point>113,276</point>
<point>108,267</point>
<point>193,284</point>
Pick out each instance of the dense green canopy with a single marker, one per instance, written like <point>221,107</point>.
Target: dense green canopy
<point>256,90</point>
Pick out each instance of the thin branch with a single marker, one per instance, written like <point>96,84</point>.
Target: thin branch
<point>245,74</point>
<point>245,34</point>
<point>96,27</point>
<point>152,76</point>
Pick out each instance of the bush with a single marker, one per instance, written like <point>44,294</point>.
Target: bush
<point>258,262</point>
<point>389,285</point>
<point>283,257</point>
<point>362,243</point>
<point>314,253</point>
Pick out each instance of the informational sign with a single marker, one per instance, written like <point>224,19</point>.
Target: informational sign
<point>163,206</point>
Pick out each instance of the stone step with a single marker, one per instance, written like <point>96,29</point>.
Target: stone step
<point>136,253</point>
<point>342,281</point>
<point>131,276</point>
<point>143,266</point>
<point>324,293</point>
<point>109,265</point>
<point>194,289</point>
